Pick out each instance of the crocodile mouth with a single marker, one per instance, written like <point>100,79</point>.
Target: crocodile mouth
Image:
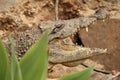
<point>76,39</point>
<point>69,43</point>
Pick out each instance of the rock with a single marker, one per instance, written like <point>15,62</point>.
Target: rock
<point>104,35</point>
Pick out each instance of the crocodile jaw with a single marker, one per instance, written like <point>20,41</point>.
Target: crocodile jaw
<point>57,55</point>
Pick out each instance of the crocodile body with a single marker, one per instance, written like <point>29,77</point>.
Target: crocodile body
<point>59,30</point>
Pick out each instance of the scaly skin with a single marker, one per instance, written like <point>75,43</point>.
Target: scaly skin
<point>65,28</point>
<point>75,54</point>
<point>59,30</point>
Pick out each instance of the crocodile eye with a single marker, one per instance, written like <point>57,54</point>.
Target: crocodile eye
<point>57,28</point>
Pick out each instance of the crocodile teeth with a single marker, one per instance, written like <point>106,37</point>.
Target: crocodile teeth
<point>86,29</point>
<point>72,34</point>
<point>93,22</point>
<point>76,43</point>
<point>103,20</point>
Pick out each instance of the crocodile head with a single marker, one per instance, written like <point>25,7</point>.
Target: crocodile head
<point>65,28</point>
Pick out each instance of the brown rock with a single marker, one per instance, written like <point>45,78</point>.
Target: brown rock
<point>104,35</point>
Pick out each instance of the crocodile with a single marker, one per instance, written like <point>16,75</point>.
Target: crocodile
<point>59,31</point>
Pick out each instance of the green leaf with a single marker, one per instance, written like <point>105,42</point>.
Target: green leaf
<point>4,64</point>
<point>15,67</point>
<point>83,75</point>
<point>34,62</point>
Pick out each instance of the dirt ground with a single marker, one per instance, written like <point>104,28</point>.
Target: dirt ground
<point>16,16</point>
